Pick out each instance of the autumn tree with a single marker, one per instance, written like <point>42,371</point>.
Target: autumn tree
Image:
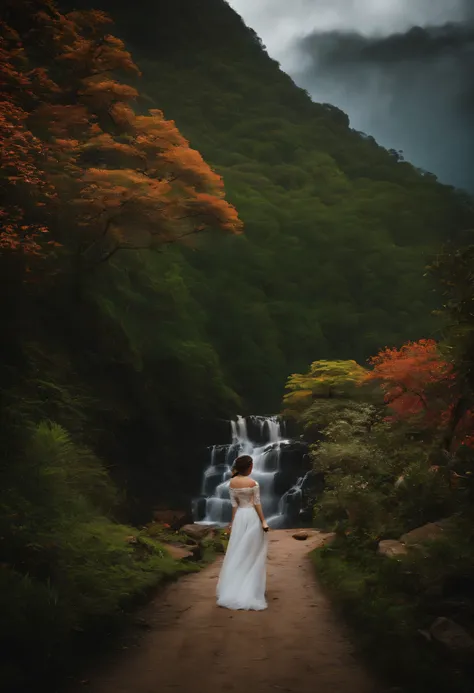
<point>324,380</point>
<point>24,187</point>
<point>162,192</point>
<point>423,388</point>
<point>120,180</point>
<point>408,377</point>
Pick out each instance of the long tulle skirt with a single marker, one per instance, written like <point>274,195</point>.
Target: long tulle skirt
<point>242,579</point>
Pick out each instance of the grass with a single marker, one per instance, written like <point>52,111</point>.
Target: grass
<point>386,603</point>
<point>69,574</point>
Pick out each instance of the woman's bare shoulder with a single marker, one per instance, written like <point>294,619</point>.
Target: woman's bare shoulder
<point>243,483</point>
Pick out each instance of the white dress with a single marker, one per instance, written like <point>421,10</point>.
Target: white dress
<point>242,579</point>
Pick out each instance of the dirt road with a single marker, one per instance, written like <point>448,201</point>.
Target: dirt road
<point>192,646</point>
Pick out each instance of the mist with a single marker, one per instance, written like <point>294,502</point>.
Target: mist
<point>402,71</point>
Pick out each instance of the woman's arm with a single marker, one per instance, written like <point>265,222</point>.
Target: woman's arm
<point>259,510</point>
<point>258,507</point>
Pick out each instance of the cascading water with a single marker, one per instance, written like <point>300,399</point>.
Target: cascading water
<point>261,438</point>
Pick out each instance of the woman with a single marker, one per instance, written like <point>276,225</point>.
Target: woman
<point>243,575</point>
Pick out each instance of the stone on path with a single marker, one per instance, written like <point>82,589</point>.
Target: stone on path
<point>301,535</point>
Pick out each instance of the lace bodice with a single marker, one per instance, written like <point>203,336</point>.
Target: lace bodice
<point>245,497</point>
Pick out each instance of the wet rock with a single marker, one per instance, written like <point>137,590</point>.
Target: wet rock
<point>200,508</point>
<point>391,548</point>
<point>452,636</point>
<point>282,482</point>
<point>214,476</point>
<point>301,535</point>
<point>292,459</point>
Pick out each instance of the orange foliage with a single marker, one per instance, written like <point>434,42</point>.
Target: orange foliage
<point>22,179</point>
<point>406,376</point>
<point>418,382</point>
<point>132,180</point>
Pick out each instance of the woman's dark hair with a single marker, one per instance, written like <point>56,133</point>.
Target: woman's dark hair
<point>241,465</point>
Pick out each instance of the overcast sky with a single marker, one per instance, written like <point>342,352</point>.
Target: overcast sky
<point>411,89</point>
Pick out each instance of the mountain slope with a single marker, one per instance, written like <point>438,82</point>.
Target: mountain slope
<point>338,229</point>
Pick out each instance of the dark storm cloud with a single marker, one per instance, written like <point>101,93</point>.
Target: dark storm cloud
<point>417,44</point>
<point>402,69</point>
<point>412,90</point>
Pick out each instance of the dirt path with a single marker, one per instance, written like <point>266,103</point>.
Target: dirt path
<point>296,645</point>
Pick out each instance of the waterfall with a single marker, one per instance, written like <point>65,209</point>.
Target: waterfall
<point>261,438</point>
<point>293,497</point>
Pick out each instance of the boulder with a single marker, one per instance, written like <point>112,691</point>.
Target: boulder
<point>391,548</point>
<point>429,532</point>
<point>452,636</point>
<point>198,532</point>
<point>301,535</point>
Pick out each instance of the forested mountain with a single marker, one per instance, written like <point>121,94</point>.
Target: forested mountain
<point>159,277</point>
<point>337,229</point>
<point>337,232</point>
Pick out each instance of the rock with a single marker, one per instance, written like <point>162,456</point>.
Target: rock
<point>200,508</point>
<point>428,532</point>
<point>452,636</point>
<point>198,532</point>
<point>292,460</point>
<point>196,552</point>
<point>214,476</point>
<point>391,548</point>
<point>301,535</point>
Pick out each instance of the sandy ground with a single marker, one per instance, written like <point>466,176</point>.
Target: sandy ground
<point>191,645</point>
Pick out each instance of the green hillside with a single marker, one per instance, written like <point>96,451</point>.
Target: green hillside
<point>337,229</point>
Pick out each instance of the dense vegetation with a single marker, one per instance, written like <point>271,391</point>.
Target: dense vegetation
<point>394,444</point>
<point>337,229</point>
<point>135,312</point>
<point>83,179</point>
